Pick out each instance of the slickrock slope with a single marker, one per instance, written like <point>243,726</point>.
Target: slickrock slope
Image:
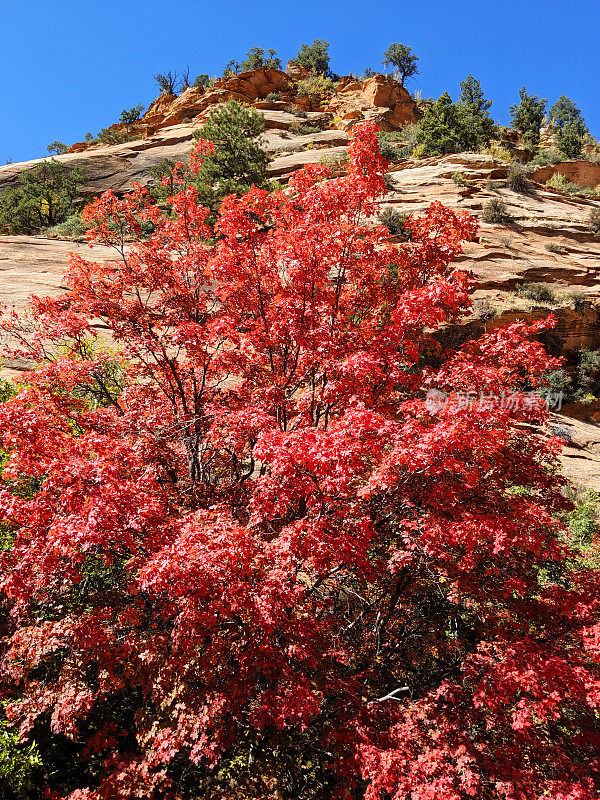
<point>506,255</point>
<point>35,265</point>
<point>116,167</point>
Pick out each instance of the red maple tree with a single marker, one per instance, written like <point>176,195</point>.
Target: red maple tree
<point>247,558</point>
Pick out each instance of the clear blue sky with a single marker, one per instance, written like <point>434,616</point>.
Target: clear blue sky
<point>71,66</point>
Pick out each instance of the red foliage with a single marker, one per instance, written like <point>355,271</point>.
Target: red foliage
<point>242,528</point>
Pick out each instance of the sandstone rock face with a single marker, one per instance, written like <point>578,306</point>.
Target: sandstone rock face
<point>246,87</point>
<point>355,100</point>
<point>585,173</point>
<point>506,255</point>
<point>296,72</point>
<point>580,457</point>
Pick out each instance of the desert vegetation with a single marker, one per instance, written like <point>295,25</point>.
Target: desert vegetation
<point>196,601</point>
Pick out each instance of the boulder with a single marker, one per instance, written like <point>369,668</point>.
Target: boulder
<point>356,99</point>
<point>295,72</point>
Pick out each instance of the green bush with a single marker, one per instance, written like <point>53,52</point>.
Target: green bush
<point>71,228</point>
<point>394,221</point>
<point>552,247</point>
<point>388,150</point>
<point>477,127</point>
<point>449,127</point>
<point>316,86</point>
<point>594,221</point>
<point>579,300</point>
<point>303,128</point>
<point>567,118</point>
<point>58,148</point>
<point>18,764</point>
<point>314,57</point>
<point>559,382</point>
<point>296,112</point>
<point>108,136</point>
<point>538,292</point>
<point>272,97</point>
<point>545,156</point>
<point>48,194</point>
<point>583,520</point>
<point>588,373</point>
<point>517,181</point>
<point>257,58</point>
<point>439,132</point>
<point>203,81</point>
<point>129,116</point>
<point>563,184</point>
<point>496,211</point>
<point>459,179</point>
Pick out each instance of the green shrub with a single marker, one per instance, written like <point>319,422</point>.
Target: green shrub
<point>562,183</point>
<point>71,228</point>
<point>497,150</point>
<point>594,221</point>
<point>388,150</point>
<point>314,57</point>
<point>578,300</point>
<point>459,179</point>
<point>203,81</point>
<point>272,97</point>
<point>558,382</point>
<point>583,520</point>
<point>477,127</point>
<point>588,373</point>
<point>394,221</point>
<point>567,118</point>
<point>296,112</point>
<point>552,247</point>
<point>108,136</point>
<point>256,58</point>
<point>316,86</point>
<point>129,116</point>
<point>58,148</point>
<point>303,128</point>
<point>538,292</point>
<point>496,211</point>
<point>449,127</point>
<point>517,180</point>
<point>47,195</point>
<point>545,156</point>
<point>18,764</point>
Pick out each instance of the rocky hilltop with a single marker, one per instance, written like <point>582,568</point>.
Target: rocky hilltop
<point>166,130</point>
